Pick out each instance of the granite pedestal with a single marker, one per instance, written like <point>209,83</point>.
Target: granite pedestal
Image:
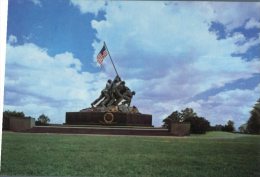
<point>108,118</point>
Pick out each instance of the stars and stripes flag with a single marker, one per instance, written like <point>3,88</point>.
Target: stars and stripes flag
<point>101,55</point>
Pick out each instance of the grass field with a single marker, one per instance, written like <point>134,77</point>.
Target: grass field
<point>215,154</point>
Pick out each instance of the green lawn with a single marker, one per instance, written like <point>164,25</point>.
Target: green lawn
<point>214,154</point>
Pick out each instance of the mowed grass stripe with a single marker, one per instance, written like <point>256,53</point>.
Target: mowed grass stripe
<point>213,154</point>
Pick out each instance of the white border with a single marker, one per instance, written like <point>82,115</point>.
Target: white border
<point>3,29</point>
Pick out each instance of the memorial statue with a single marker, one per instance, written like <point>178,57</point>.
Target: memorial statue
<point>113,94</point>
<point>116,96</point>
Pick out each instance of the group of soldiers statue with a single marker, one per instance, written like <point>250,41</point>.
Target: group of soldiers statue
<point>113,94</point>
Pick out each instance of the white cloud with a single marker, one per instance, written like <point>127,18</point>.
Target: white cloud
<point>241,49</point>
<point>89,6</point>
<point>12,39</point>
<point>252,23</point>
<point>37,83</point>
<point>238,38</point>
<point>160,48</point>
<point>232,14</point>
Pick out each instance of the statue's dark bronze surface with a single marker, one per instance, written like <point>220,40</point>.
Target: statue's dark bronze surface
<point>115,97</point>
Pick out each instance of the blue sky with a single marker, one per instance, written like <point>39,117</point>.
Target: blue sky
<point>204,55</point>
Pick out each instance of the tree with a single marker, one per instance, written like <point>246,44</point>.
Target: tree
<point>42,120</point>
<point>13,114</point>
<point>175,116</point>
<point>217,127</point>
<point>7,115</point>
<point>229,127</point>
<point>198,124</point>
<point>253,123</point>
<point>243,128</point>
<point>187,113</point>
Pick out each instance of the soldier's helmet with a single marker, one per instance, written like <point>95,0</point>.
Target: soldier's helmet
<point>109,81</point>
<point>117,78</point>
<point>133,92</point>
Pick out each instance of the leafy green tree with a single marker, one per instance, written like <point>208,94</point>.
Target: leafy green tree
<point>198,125</point>
<point>175,116</point>
<point>243,128</point>
<point>13,114</point>
<point>187,113</point>
<point>253,123</point>
<point>6,118</point>
<point>217,127</point>
<point>43,120</point>
<point>229,127</point>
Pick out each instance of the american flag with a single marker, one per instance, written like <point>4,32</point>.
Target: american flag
<point>101,55</point>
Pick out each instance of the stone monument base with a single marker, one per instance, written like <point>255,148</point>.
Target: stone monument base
<point>179,128</point>
<point>108,118</point>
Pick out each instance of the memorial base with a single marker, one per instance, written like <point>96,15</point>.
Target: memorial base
<point>108,118</point>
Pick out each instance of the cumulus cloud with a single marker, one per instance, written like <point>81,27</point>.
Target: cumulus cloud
<point>252,23</point>
<point>37,83</point>
<point>12,39</point>
<point>233,14</point>
<point>154,48</point>
<point>89,6</point>
<point>243,45</point>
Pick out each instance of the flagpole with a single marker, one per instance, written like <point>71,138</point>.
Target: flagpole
<point>111,59</point>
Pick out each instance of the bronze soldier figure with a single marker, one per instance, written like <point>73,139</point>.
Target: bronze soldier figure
<point>114,93</point>
<point>128,95</point>
<point>104,94</point>
<point>119,91</point>
<point>115,84</point>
